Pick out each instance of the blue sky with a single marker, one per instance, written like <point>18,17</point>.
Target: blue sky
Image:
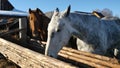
<point>76,5</point>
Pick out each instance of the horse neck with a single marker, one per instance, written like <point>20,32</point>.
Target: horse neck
<point>45,22</point>
<point>82,23</point>
<point>41,27</point>
<point>39,20</point>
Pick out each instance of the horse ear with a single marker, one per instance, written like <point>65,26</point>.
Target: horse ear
<point>67,11</point>
<point>38,10</point>
<point>56,12</point>
<point>30,10</point>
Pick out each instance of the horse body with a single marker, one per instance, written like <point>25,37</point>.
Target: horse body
<point>98,35</point>
<point>103,36</point>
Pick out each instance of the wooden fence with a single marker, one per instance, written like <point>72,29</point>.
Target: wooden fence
<point>22,23</point>
<point>27,58</point>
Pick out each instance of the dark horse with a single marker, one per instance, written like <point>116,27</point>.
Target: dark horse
<point>38,24</point>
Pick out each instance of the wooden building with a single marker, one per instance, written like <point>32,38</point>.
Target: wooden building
<point>6,5</point>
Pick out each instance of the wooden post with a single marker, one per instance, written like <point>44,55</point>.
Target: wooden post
<point>0,4</point>
<point>23,33</point>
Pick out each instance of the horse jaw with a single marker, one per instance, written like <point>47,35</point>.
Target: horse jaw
<point>54,45</point>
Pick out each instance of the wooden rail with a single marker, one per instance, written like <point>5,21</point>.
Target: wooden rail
<point>29,59</point>
<point>4,33</point>
<point>88,58</point>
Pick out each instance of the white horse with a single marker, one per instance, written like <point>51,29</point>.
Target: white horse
<point>95,35</point>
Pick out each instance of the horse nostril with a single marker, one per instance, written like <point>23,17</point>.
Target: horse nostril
<point>53,56</point>
<point>34,35</point>
<point>50,55</point>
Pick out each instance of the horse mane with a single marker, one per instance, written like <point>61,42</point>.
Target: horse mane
<point>85,14</point>
<point>37,9</point>
<point>99,15</point>
<point>111,18</point>
<point>82,12</point>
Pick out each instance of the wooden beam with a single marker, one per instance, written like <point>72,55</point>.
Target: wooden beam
<point>88,58</point>
<point>26,58</point>
<point>100,57</point>
<point>15,14</point>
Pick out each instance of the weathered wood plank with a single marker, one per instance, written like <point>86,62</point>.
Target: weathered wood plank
<point>29,59</point>
<point>95,56</point>
<point>88,58</point>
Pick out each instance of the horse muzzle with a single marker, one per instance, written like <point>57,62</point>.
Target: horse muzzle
<point>51,55</point>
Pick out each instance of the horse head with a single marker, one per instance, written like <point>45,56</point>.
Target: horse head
<point>38,24</point>
<point>58,33</point>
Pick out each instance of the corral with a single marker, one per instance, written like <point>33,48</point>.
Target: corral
<point>16,46</point>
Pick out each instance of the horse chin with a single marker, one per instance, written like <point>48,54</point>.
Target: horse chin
<point>35,35</point>
<point>54,55</point>
<point>50,53</point>
<point>53,52</point>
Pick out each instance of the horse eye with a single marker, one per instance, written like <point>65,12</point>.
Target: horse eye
<point>58,30</point>
<point>52,35</point>
<point>31,18</point>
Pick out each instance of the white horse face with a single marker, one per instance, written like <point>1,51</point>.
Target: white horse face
<point>58,34</point>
